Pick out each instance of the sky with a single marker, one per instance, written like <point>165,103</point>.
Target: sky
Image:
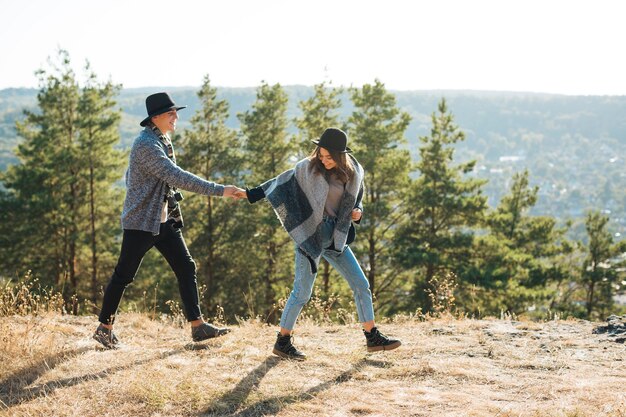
<point>571,47</point>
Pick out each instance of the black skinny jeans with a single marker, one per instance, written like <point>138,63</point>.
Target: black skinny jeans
<point>172,246</point>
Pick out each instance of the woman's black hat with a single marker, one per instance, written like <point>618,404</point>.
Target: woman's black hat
<point>159,103</point>
<point>333,139</point>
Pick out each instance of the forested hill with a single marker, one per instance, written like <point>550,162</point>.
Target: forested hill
<point>573,146</point>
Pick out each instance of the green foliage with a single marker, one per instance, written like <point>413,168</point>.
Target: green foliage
<point>101,166</point>
<point>426,244</point>
<point>572,145</point>
<point>269,152</point>
<point>516,262</point>
<point>318,113</point>
<point>60,191</point>
<point>599,269</point>
<point>441,207</point>
<point>376,129</point>
<point>215,226</point>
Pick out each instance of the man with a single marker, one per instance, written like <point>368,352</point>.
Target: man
<point>151,217</point>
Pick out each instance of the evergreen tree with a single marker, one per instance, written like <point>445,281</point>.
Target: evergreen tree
<point>318,113</point>
<point>513,265</point>
<point>376,129</point>
<point>98,134</point>
<point>599,273</point>
<point>268,151</point>
<point>441,208</point>
<point>47,180</point>
<point>63,174</point>
<point>212,150</point>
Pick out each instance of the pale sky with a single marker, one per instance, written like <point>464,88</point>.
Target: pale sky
<point>550,46</point>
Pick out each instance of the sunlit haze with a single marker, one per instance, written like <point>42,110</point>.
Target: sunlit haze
<point>551,46</point>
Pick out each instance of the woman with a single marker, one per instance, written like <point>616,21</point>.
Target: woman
<point>317,201</point>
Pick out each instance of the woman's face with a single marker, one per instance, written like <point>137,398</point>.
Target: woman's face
<point>326,159</point>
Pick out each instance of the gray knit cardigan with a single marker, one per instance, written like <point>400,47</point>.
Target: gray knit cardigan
<point>149,172</point>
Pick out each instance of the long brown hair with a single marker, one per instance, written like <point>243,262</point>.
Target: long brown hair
<point>344,168</point>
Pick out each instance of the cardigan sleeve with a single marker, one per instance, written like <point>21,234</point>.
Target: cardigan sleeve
<point>151,158</point>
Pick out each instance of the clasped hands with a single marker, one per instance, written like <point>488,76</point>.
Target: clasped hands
<point>234,192</point>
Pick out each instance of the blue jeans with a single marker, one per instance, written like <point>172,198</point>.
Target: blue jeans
<point>345,263</point>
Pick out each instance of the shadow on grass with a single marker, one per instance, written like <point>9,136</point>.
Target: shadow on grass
<point>13,389</point>
<point>229,404</point>
<point>232,400</point>
<point>17,389</point>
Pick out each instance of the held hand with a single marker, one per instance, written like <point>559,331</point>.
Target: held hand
<point>241,194</point>
<point>234,192</point>
<point>356,214</point>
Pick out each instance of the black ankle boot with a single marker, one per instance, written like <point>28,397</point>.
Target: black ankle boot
<point>285,349</point>
<point>377,341</point>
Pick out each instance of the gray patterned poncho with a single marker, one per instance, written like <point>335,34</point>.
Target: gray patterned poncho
<point>298,197</point>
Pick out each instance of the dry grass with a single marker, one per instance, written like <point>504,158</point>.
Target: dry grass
<point>50,366</point>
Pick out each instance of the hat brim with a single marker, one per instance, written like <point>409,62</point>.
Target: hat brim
<point>147,119</point>
<point>317,142</point>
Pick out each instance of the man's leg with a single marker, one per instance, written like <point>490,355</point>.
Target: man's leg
<point>135,244</point>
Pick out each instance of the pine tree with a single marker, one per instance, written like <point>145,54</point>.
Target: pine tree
<point>599,273</point>
<point>63,175</point>
<point>441,207</point>
<point>212,150</point>
<point>513,265</point>
<point>376,130</point>
<point>268,151</point>
<point>98,134</point>
<point>318,113</point>
<point>47,180</point>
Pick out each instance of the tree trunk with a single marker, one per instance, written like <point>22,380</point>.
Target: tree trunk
<point>94,251</point>
<point>269,273</point>
<point>325,278</point>
<point>590,296</point>
<point>72,248</point>
<point>209,274</point>
<point>371,274</point>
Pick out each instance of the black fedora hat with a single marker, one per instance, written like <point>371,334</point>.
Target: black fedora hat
<point>333,139</point>
<point>159,103</point>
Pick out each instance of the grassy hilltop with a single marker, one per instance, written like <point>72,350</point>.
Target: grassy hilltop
<point>446,367</point>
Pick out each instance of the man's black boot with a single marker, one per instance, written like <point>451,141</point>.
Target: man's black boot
<point>106,337</point>
<point>285,348</point>
<point>377,341</point>
<point>207,331</point>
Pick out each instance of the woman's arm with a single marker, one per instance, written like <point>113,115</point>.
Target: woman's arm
<point>357,212</point>
<point>255,194</point>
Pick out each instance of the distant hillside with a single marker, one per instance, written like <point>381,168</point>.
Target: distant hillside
<point>573,146</point>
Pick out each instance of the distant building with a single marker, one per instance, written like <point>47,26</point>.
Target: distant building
<point>511,158</point>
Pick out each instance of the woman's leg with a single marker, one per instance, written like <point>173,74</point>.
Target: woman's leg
<point>346,264</point>
<point>350,269</point>
<point>301,293</point>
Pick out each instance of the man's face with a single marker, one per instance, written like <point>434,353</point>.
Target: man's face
<point>166,122</point>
